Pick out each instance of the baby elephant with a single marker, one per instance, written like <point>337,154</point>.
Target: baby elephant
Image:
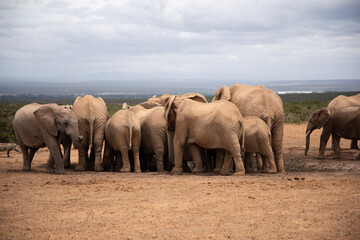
<point>258,140</point>
<point>8,147</point>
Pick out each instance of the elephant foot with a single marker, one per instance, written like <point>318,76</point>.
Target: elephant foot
<point>26,168</point>
<point>216,170</point>
<point>273,171</point>
<point>177,170</point>
<point>60,171</point>
<point>98,168</point>
<point>239,173</point>
<point>225,172</point>
<point>124,169</point>
<point>337,156</point>
<point>50,170</point>
<point>320,157</point>
<point>138,170</point>
<point>80,167</point>
<point>250,170</point>
<point>197,170</point>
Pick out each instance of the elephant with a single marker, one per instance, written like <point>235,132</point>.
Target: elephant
<point>258,140</point>
<point>341,119</point>
<point>216,125</point>
<point>65,141</point>
<point>38,126</point>
<point>154,139</point>
<point>170,132</point>
<point>263,103</point>
<point>92,115</point>
<point>9,147</point>
<point>123,133</point>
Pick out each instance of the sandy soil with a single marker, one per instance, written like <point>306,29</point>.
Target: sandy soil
<point>315,199</point>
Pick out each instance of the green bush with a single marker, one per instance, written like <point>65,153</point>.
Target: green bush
<point>7,112</point>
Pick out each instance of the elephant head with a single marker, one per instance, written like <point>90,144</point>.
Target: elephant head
<point>54,120</point>
<point>222,94</point>
<point>317,120</point>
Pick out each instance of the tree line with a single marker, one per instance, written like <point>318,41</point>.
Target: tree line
<point>297,107</point>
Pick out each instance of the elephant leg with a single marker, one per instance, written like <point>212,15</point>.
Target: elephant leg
<point>55,151</point>
<point>323,141</point>
<point>336,145</point>
<point>277,134</point>
<point>137,167</point>
<point>179,142</point>
<point>249,163</point>
<point>239,166</point>
<point>8,152</point>
<point>196,156</point>
<point>118,162</point>
<point>125,160</point>
<point>159,154</point>
<point>66,159</point>
<point>354,144</point>
<point>260,162</point>
<point>220,154</point>
<point>83,155</point>
<point>50,164</point>
<point>26,159</point>
<point>98,161</point>
<point>225,169</point>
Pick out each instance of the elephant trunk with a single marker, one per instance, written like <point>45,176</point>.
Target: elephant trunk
<point>309,130</point>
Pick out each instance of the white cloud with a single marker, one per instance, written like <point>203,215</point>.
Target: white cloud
<point>192,39</point>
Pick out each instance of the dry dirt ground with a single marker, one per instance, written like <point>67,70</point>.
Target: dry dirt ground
<point>315,199</point>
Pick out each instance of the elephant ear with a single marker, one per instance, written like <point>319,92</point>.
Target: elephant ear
<point>222,94</point>
<point>196,97</point>
<point>170,113</point>
<point>125,106</point>
<point>46,117</point>
<point>322,117</point>
<point>149,105</point>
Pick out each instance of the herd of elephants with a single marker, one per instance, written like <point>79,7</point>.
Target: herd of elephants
<point>242,122</point>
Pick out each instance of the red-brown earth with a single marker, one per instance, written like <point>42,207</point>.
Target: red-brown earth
<point>314,199</point>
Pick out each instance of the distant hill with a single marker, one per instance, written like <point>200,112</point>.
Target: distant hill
<point>149,87</point>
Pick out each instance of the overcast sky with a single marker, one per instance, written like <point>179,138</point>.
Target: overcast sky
<point>180,39</point>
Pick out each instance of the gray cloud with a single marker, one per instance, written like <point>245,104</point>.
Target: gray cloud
<point>205,39</point>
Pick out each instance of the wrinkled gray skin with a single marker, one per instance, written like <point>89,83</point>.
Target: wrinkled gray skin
<point>92,115</point>
<point>9,147</point>
<point>258,140</point>
<point>38,126</point>
<point>66,142</point>
<point>341,119</point>
<point>123,133</point>
<point>216,125</point>
<point>153,133</point>
<point>170,132</point>
<point>262,103</point>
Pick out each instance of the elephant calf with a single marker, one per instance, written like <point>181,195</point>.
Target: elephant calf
<point>8,147</point>
<point>258,140</point>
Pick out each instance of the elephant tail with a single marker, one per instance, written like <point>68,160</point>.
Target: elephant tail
<point>91,132</point>
<point>242,138</point>
<point>130,137</point>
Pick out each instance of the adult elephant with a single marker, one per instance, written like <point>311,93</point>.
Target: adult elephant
<point>216,125</point>
<point>262,103</point>
<point>123,133</point>
<point>154,139</point>
<point>37,126</point>
<point>163,100</point>
<point>341,119</point>
<point>92,115</point>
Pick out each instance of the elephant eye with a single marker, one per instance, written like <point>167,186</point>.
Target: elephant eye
<point>66,122</point>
